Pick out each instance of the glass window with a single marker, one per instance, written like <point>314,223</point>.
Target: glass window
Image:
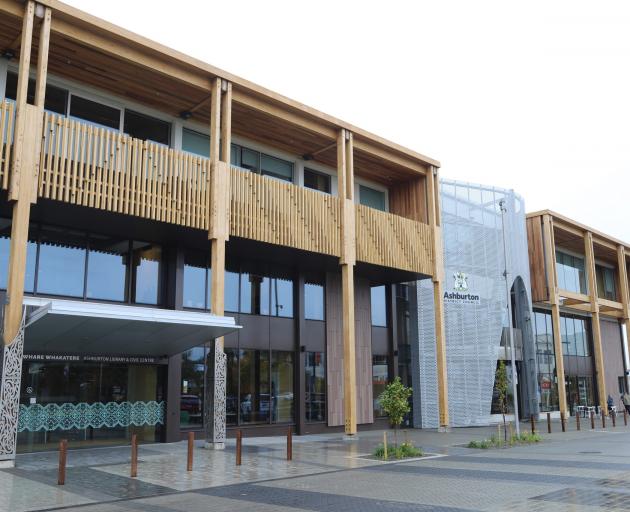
<point>606,282</point>
<point>231,291</point>
<point>235,155</point>
<point>254,397</point>
<point>95,113</point>
<point>61,269</point>
<point>250,159</point>
<point>281,297</point>
<point>56,99</point>
<point>231,387</point>
<point>571,274</point>
<point>317,180</point>
<point>380,378</point>
<point>196,143</point>
<point>314,301</point>
<point>254,294</point>
<point>146,259</point>
<point>372,198</point>
<point>315,386</point>
<point>547,381</point>
<point>31,257</point>
<point>378,306</point>
<point>144,127</point>
<point>193,375</point>
<point>277,168</point>
<point>107,268</point>
<point>281,386</point>
<point>195,280</point>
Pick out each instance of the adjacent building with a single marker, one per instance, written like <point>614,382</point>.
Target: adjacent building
<point>182,249</point>
<point>579,282</point>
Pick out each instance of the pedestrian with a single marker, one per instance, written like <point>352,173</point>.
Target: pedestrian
<point>626,401</point>
<point>610,402</point>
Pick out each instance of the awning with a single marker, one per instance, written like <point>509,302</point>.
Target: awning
<point>57,326</point>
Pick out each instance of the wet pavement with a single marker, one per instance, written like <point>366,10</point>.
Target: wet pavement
<point>578,471</point>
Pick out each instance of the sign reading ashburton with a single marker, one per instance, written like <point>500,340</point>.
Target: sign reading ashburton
<point>460,295</point>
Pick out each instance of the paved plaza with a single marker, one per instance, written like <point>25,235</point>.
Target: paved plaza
<point>573,471</point>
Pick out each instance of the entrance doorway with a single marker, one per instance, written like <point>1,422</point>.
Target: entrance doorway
<point>90,401</point>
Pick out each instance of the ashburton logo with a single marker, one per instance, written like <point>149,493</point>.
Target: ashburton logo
<point>460,284</point>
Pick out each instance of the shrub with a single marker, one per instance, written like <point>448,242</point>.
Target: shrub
<point>496,442</point>
<point>402,451</point>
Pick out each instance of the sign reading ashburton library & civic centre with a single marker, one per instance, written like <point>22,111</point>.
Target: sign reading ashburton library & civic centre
<point>460,295</point>
<point>95,358</point>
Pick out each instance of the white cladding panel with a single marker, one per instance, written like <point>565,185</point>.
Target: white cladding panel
<point>475,316</point>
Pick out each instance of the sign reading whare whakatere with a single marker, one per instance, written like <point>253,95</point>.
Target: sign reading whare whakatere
<point>460,293</point>
<point>93,358</point>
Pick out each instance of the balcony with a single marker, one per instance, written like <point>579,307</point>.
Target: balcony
<point>95,167</point>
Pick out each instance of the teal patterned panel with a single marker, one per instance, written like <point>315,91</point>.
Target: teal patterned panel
<point>97,415</point>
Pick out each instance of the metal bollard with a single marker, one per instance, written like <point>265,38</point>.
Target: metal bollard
<point>191,446</point>
<point>134,455</point>
<point>533,421</point>
<point>385,445</point>
<point>563,422</point>
<point>549,423</point>
<point>289,444</point>
<point>63,453</point>
<point>625,418</point>
<point>592,420</point>
<point>603,420</point>
<point>239,441</point>
<point>613,417</point>
<point>577,420</point>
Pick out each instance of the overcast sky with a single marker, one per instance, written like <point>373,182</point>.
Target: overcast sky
<point>533,96</point>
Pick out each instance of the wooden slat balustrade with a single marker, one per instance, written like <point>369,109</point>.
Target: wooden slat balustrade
<point>393,241</point>
<point>92,166</point>
<point>280,213</point>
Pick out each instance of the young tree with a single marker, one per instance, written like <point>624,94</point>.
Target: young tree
<point>501,385</point>
<point>395,402</point>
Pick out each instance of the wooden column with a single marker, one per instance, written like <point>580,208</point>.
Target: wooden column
<point>25,165</point>
<point>624,292</point>
<point>433,208</point>
<point>554,300</point>
<point>218,234</point>
<point>345,181</point>
<point>595,325</point>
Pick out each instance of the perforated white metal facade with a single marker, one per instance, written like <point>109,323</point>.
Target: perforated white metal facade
<point>475,304</point>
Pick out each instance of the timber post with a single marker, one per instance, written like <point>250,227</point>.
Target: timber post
<point>345,181</point>
<point>218,233</point>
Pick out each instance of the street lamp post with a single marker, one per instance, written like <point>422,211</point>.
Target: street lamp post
<point>508,298</point>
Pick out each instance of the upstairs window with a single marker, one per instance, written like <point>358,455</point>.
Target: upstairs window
<point>94,113</point>
<point>196,143</point>
<point>372,197</point>
<point>571,274</point>
<point>149,128</point>
<point>257,162</point>
<point>317,181</point>
<point>56,99</point>
<point>606,282</point>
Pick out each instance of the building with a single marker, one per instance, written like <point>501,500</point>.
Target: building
<point>151,204</point>
<point>579,280</point>
<point>475,308</point>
